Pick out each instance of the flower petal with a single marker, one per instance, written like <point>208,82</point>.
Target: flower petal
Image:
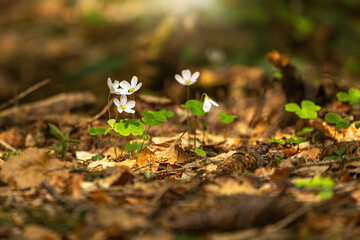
<point>129,110</point>
<point>138,86</point>
<point>125,85</point>
<point>123,100</point>
<point>186,74</point>
<point>180,79</point>
<point>119,110</point>
<point>117,102</point>
<point>194,77</point>
<point>130,104</point>
<point>121,91</point>
<point>207,106</point>
<point>134,81</point>
<point>214,103</point>
<point>109,83</point>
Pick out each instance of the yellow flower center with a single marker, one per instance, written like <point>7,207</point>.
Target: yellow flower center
<point>187,82</point>
<point>131,90</point>
<point>123,107</point>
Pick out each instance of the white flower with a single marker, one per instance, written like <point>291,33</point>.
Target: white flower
<point>187,78</point>
<point>124,105</point>
<point>209,103</point>
<point>113,86</point>
<point>127,88</point>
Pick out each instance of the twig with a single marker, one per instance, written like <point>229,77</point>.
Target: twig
<point>8,146</point>
<point>328,162</point>
<point>24,93</point>
<point>143,166</point>
<point>47,185</point>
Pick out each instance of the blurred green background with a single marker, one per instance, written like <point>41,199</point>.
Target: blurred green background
<point>78,44</point>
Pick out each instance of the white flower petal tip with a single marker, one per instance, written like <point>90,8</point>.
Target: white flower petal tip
<point>209,104</point>
<point>127,88</point>
<point>186,78</point>
<point>123,105</point>
<point>113,86</point>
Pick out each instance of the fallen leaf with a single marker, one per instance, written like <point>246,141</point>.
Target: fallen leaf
<point>31,168</point>
<point>230,186</point>
<point>119,176</point>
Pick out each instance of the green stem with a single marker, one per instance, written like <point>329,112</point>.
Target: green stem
<point>142,144</point>
<point>204,132</point>
<point>122,147</point>
<point>195,122</point>
<point>187,114</point>
<point>98,144</point>
<point>225,135</point>
<point>115,144</point>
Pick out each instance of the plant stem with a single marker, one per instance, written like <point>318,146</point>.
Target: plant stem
<point>187,114</point>
<point>225,134</point>
<point>122,147</point>
<point>115,144</point>
<point>195,132</point>
<point>142,144</point>
<point>204,132</point>
<point>98,144</point>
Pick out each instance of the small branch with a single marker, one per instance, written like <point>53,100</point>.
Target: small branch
<point>141,167</point>
<point>8,146</point>
<point>24,93</point>
<point>327,162</point>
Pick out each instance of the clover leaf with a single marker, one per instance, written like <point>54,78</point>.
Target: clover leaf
<point>135,146</point>
<point>340,122</point>
<point>338,153</point>
<point>200,151</point>
<point>97,131</point>
<point>353,96</point>
<point>195,106</point>
<point>125,127</point>
<point>296,140</point>
<point>274,140</point>
<point>305,131</point>
<point>357,124</point>
<point>224,118</point>
<point>307,110</point>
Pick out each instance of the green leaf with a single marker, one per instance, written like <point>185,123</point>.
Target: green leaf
<point>122,129</point>
<point>297,140</point>
<point>108,130</point>
<point>97,131</point>
<point>305,131</point>
<point>339,152</point>
<point>357,124</point>
<point>274,140</point>
<point>353,96</point>
<point>128,147</point>
<point>111,122</point>
<point>200,151</point>
<point>130,126</point>
<point>343,125</point>
<point>56,132</point>
<point>195,106</point>
<point>224,118</point>
<point>308,109</point>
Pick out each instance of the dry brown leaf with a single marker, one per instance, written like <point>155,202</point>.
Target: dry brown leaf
<point>146,156</point>
<point>103,164</point>
<point>31,168</point>
<point>35,232</point>
<point>169,152</point>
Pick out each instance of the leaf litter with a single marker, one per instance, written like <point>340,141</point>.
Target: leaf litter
<point>243,188</point>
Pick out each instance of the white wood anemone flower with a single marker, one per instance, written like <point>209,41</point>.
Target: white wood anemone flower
<point>113,86</point>
<point>209,104</point>
<point>124,105</point>
<point>127,88</point>
<point>187,78</point>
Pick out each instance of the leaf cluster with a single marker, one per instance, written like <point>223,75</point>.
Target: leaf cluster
<point>195,106</point>
<point>338,153</point>
<point>352,97</point>
<point>63,138</point>
<point>340,122</point>
<point>293,139</point>
<point>156,118</point>
<point>322,185</point>
<point>307,110</point>
<point>224,118</point>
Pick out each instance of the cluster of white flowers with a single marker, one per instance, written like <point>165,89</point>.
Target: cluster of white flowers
<point>188,79</point>
<point>124,88</point>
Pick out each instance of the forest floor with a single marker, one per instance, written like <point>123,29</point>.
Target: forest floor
<point>243,188</point>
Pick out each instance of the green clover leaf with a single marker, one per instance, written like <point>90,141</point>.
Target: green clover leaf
<point>129,126</point>
<point>308,109</point>
<point>97,131</point>
<point>224,118</point>
<point>195,106</point>
<point>200,151</point>
<point>353,96</point>
<point>274,140</point>
<point>340,122</point>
